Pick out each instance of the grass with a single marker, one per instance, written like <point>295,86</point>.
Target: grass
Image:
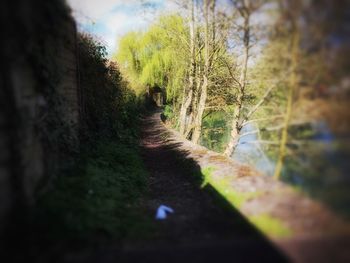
<point>270,225</point>
<point>266,223</point>
<point>223,187</point>
<point>101,196</point>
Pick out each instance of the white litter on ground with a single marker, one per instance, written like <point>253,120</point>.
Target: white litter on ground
<point>162,212</point>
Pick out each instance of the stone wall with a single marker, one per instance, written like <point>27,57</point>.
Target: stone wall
<point>303,228</point>
<point>39,99</point>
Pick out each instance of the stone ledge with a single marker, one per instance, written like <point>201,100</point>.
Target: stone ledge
<point>261,199</point>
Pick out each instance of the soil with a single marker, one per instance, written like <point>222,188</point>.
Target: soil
<point>203,227</point>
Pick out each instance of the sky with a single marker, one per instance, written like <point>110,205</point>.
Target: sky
<point>111,19</point>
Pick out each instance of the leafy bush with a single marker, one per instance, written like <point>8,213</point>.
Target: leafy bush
<point>168,112</point>
<point>99,197</point>
<point>108,103</point>
<point>215,131</point>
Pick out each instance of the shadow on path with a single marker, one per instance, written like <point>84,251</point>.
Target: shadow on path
<point>204,227</point>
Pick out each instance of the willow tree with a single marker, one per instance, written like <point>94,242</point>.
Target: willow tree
<point>128,58</point>
<point>156,57</point>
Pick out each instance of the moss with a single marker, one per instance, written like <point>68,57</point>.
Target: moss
<point>223,186</point>
<point>206,172</point>
<point>270,225</point>
<point>267,224</point>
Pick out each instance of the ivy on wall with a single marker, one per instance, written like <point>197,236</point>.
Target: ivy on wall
<point>109,106</point>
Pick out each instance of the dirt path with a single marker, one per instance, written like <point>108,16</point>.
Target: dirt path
<point>202,229</point>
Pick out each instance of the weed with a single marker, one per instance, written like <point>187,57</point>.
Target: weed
<point>101,195</point>
<point>266,223</point>
<point>271,225</point>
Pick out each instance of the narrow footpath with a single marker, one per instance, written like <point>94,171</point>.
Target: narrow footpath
<point>203,227</point>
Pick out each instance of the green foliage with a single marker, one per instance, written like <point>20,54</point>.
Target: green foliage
<point>100,194</point>
<point>108,102</point>
<point>168,112</point>
<point>156,57</point>
<point>266,223</point>
<point>224,187</point>
<point>160,56</point>
<point>206,172</point>
<point>269,224</point>
<point>128,57</point>
<point>100,197</point>
<point>216,131</point>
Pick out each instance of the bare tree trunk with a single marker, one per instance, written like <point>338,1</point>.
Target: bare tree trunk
<point>201,106</point>
<point>186,101</point>
<point>194,104</point>
<point>236,126</point>
<point>292,89</point>
<point>187,98</point>
<point>208,5</point>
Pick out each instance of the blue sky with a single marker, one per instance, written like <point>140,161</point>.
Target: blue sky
<point>110,19</point>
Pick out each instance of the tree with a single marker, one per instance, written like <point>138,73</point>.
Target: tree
<point>245,9</point>
<point>156,57</point>
<point>189,90</point>
<point>209,47</point>
<point>292,15</point>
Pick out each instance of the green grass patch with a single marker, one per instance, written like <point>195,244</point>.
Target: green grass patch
<point>223,186</point>
<point>101,196</point>
<point>271,225</point>
<point>267,224</point>
<point>206,172</point>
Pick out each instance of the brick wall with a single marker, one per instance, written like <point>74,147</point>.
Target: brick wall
<point>39,38</point>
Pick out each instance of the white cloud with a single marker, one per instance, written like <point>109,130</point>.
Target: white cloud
<point>110,19</point>
<point>120,23</point>
<point>96,9</point>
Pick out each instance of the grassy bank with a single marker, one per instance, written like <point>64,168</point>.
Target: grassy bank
<point>268,224</point>
<point>99,197</point>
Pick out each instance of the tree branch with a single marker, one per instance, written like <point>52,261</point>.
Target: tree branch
<point>254,109</point>
<point>249,133</point>
<point>232,75</point>
<point>262,119</point>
